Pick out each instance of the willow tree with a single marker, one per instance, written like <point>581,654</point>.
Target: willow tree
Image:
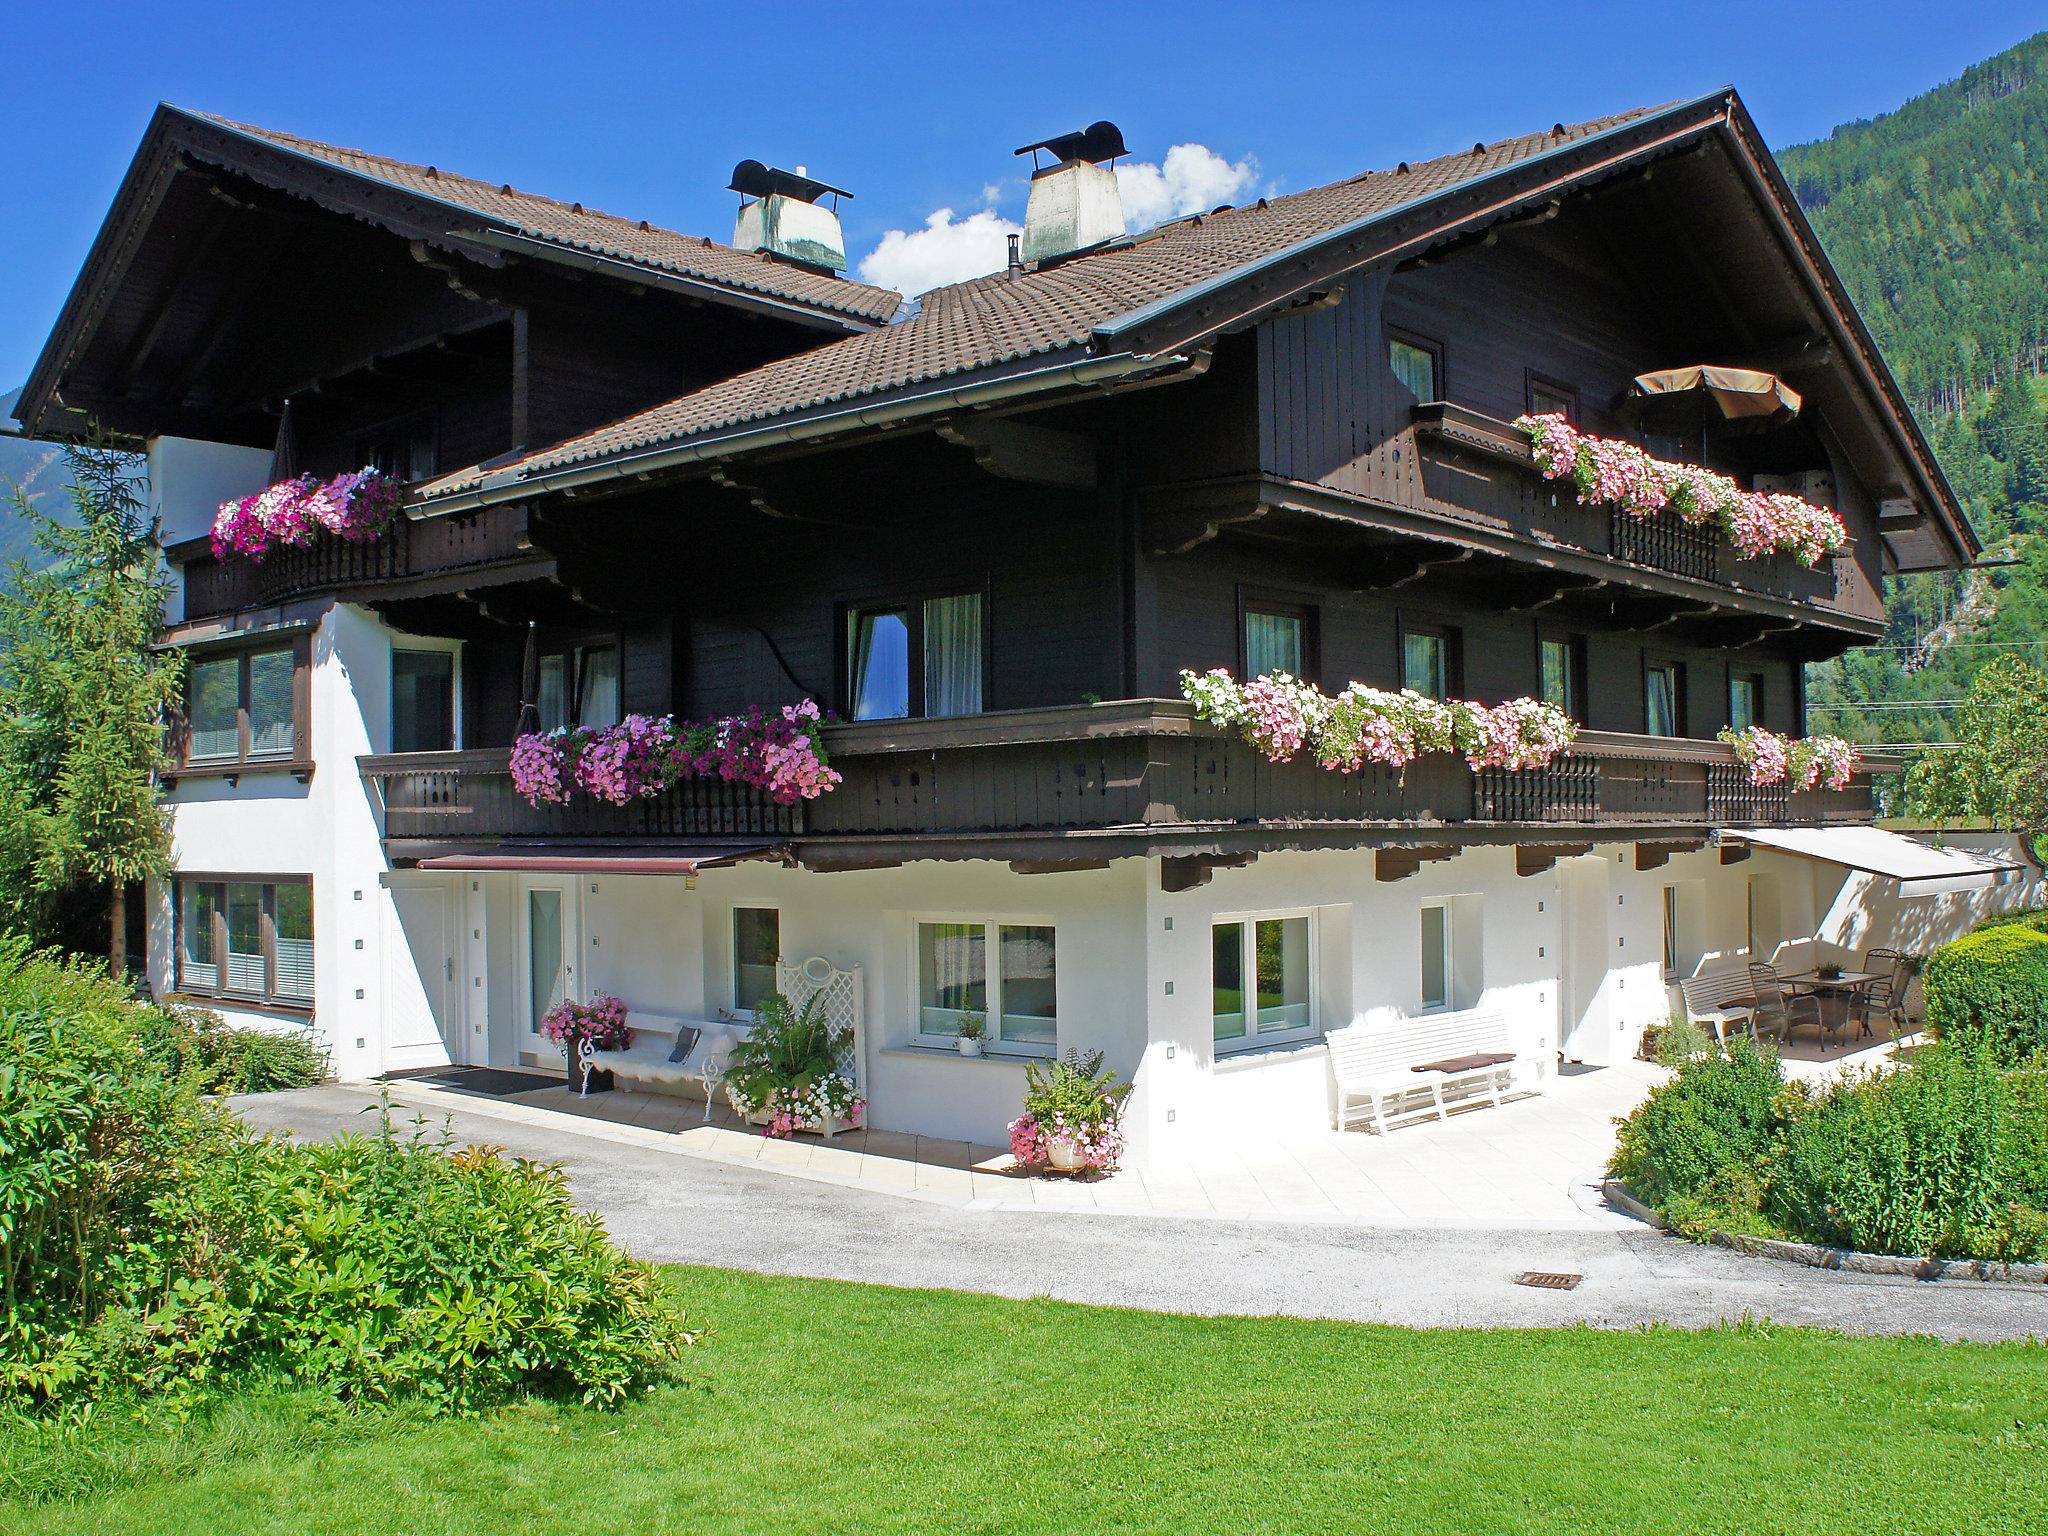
<point>84,697</point>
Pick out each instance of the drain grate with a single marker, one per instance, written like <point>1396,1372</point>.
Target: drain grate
<point>1548,1280</point>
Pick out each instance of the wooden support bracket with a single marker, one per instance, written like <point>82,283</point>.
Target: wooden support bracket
<point>1534,858</point>
<point>1185,872</point>
<point>1400,863</point>
<point>1735,853</point>
<point>1656,855</point>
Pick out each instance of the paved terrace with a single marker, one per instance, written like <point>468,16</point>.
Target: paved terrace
<point>1426,1227</point>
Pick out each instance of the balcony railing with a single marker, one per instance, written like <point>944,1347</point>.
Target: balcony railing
<point>409,548</point>
<point>1141,766</point>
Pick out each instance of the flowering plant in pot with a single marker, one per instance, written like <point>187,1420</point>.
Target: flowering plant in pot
<point>579,1028</point>
<point>784,1072</point>
<point>1072,1117</point>
<point>779,751</point>
<point>1800,762</point>
<point>971,1032</point>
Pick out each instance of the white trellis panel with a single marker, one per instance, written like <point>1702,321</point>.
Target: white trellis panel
<point>841,992</point>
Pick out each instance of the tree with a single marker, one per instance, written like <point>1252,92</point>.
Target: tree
<point>84,699</point>
<point>1998,767</point>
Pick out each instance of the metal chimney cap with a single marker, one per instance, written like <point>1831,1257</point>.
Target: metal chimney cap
<point>750,178</point>
<point>1096,143</point>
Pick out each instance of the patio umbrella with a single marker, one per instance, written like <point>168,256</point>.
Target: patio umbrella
<point>1737,394</point>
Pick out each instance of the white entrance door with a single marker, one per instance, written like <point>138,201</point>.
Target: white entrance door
<point>547,956</point>
<point>421,1028</point>
<point>1582,947</point>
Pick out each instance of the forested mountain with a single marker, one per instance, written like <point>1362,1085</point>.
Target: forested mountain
<point>1936,215</point>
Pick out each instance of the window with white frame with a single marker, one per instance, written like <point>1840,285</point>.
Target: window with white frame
<point>1437,970</point>
<point>1005,974</point>
<point>756,947</point>
<point>1260,980</point>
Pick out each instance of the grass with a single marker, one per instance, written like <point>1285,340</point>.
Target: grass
<point>822,1407</point>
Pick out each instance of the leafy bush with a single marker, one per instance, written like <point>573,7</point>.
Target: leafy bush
<point>198,1048</point>
<point>150,1244</point>
<point>787,1050</point>
<point>1989,989</point>
<point>2035,918</point>
<point>1717,1113</point>
<point>1948,1158</point>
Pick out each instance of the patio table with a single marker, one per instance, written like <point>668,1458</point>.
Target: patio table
<point>1848,986</point>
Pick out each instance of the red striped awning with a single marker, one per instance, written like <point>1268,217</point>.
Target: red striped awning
<point>585,859</point>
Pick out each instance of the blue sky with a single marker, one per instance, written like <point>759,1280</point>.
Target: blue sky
<point>643,109</point>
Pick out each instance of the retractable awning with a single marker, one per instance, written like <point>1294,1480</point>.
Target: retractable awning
<point>579,859</point>
<point>1920,870</point>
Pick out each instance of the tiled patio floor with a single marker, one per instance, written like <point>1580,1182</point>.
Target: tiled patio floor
<point>1537,1161</point>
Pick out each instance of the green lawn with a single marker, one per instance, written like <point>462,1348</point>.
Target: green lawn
<point>821,1407</point>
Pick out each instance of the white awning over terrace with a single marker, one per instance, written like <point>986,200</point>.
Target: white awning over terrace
<point>1919,869</point>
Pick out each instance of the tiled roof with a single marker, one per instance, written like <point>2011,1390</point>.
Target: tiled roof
<point>1001,319</point>
<point>586,229</point>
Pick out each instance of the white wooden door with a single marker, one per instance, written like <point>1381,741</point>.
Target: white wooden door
<point>1582,949</point>
<point>421,1027</point>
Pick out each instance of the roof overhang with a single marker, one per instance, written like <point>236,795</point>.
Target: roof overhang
<point>1918,868</point>
<point>595,859</point>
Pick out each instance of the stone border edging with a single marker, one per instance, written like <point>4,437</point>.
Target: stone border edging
<point>1817,1256</point>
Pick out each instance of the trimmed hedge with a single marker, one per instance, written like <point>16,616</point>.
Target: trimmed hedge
<point>1989,989</point>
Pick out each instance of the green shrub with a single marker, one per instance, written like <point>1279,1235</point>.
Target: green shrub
<point>1717,1113</point>
<point>1989,989</point>
<point>197,1047</point>
<point>2035,918</point>
<point>1947,1158</point>
<point>151,1245</point>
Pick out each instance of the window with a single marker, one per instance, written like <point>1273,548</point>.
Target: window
<point>1547,398</point>
<point>1259,980</point>
<point>1279,636</point>
<point>1745,700</point>
<point>1418,363</point>
<point>579,685</point>
<point>422,701</point>
<point>1005,972</point>
<point>246,938</point>
<point>1436,956</point>
<point>243,707</point>
<point>1663,698</point>
<point>1670,930</point>
<point>1561,664</point>
<point>922,658</point>
<point>1429,661</point>
<point>406,449</point>
<point>756,947</point>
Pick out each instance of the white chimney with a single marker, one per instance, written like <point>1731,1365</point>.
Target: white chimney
<point>1075,205</point>
<point>784,218</point>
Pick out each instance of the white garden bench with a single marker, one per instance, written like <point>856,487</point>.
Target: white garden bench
<point>648,1058</point>
<point>1376,1065</point>
<point>1719,1000</point>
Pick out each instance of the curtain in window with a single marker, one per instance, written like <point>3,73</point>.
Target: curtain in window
<point>215,694</point>
<point>199,968</point>
<point>553,703</point>
<point>952,974</point>
<point>952,655</point>
<point>1029,986</point>
<point>1661,699</point>
<point>294,923</point>
<point>1272,643</point>
<point>1415,367</point>
<point>246,969</point>
<point>598,698</point>
<point>1423,665</point>
<point>879,659</point>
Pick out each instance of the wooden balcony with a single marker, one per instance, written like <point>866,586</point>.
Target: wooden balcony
<point>409,550</point>
<point>1477,467</point>
<point>1135,769</point>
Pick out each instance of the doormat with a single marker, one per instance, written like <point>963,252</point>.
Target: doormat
<point>1548,1280</point>
<point>484,1082</point>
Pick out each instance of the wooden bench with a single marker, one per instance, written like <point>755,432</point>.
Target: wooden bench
<point>647,1059</point>
<point>1719,999</point>
<point>1375,1065</point>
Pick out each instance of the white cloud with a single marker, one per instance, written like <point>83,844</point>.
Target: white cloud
<point>1192,179</point>
<point>946,250</point>
<point>951,248</point>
